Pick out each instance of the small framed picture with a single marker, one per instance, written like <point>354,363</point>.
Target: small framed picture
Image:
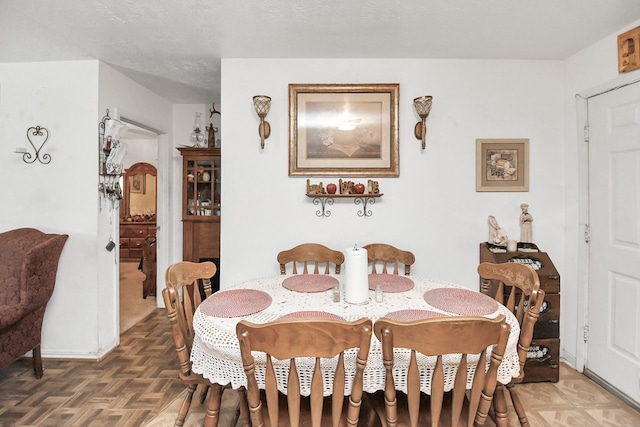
<point>502,165</point>
<point>138,184</point>
<point>629,50</point>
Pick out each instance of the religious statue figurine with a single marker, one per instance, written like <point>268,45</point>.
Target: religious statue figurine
<point>496,234</point>
<point>211,136</point>
<point>526,226</point>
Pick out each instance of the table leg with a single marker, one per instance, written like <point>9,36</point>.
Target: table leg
<point>500,407</point>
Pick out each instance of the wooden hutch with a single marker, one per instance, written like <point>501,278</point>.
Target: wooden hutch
<point>201,180</point>
<point>544,353</point>
<point>137,210</point>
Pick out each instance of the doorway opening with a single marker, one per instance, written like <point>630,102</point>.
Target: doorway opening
<point>138,222</point>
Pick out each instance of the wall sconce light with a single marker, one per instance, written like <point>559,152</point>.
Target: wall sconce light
<point>422,104</point>
<point>262,104</point>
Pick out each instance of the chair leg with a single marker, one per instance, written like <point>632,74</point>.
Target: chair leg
<point>369,417</point>
<point>517,405</point>
<point>37,361</point>
<point>186,404</point>
<point>500,407</point>
<point>213,407</point>
<point>244,407</point>
<point>203,394</point>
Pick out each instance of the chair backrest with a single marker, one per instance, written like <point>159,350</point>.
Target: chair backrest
<point>387,255</point>
<point>293,338</point>
<point>310,253</point>
<point>521,286</point>
<point>181,298</point>
<point>437,337</point>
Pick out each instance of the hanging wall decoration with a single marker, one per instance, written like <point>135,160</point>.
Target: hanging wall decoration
<point>36,135</point>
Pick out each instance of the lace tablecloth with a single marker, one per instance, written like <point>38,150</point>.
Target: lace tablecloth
<point>216,354</point>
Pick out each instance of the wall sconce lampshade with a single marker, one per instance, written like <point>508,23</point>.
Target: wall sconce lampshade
<point>422,104</point>
<point>262,104</point>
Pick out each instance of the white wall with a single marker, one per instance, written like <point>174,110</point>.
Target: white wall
<point>432,209</point>
<point>124,97</point>
<point>69,98</point>
<point>60,197</point>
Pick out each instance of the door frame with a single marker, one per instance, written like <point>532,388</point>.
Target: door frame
<point>582,112</point>
<point>162,207</point>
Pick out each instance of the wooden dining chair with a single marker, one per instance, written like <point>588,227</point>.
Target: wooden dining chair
<point>387,255</point>
<point>519,286</point>
<point>441,336</point>
<point>310,254</point>
<point>149,265</point>
<point>183,279</point>
<point>288,339</point>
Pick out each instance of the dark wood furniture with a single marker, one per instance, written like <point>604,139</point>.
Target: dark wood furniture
<point>310,254</point>
<point>288,339</point>
<point>137,210</point>
<point>524,297</point>
<point>383,255</point>
<point>544,353</point>
<point>437,337</point>
<point>201,168</point>
<point>149,265</point>
<point>132,235</point>
<point>183,279</point>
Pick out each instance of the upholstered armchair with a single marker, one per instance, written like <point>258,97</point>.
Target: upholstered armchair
<point>28,266</point>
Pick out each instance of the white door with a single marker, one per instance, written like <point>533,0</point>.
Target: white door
<point>613,347</point>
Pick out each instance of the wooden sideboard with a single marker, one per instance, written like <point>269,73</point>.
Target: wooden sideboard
<point>544,354</point>
<point>132,236</point>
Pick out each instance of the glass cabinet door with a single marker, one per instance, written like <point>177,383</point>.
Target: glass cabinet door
<point>202,187</point>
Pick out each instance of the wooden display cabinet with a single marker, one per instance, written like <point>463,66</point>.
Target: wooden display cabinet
<point>201,203</point>
<point>544,354</point>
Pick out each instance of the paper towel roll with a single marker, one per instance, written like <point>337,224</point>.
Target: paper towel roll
<point>356,286</point>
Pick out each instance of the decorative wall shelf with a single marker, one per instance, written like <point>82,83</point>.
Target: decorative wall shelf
<point>358,199</point>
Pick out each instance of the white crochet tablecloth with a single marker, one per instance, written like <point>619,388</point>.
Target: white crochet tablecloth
<point>216,354</point>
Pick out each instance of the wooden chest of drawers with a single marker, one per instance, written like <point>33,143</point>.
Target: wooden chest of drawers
<point>132,236</point>
<point>543,360</point>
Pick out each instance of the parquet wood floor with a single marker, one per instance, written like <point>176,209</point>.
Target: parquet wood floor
<point>138,380</point>
<point>126,388</point>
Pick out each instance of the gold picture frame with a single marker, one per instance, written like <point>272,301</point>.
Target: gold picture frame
<point>347,130</point>
<point>502,165</point>
<point>629,50</point>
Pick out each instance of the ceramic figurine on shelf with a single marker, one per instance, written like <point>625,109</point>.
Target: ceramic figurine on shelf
<point>526,224</point>
<point>314,188</point>
<point>346,187</point>
<point>496,235</point>
<point>373,187</point>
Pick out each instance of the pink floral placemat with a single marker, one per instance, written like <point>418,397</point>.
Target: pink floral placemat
<point>390,282</point>
<point>235,303</point>
<point>411,315</point>
<point>311,315</point>
<point>461,301</point>
<point>309,282</point>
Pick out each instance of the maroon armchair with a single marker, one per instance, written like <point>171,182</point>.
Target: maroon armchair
<point>28,266</point>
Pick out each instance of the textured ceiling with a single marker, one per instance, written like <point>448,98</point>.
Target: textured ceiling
<point>174,46</point>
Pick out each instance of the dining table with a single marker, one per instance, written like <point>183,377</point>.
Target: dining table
<point>216,352</point>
